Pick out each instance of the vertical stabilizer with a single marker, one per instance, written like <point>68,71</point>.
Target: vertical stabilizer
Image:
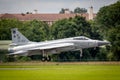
<point>18,38</point>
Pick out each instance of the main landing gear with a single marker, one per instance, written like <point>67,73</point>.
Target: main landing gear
<point>45,56</point>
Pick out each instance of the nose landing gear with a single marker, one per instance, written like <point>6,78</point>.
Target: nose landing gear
<point>81,53</point>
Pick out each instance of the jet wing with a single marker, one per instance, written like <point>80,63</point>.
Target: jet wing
<point>52,46</point>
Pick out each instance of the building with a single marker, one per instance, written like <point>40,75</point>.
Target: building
<point>48,18</point>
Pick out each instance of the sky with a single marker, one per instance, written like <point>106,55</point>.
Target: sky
<point>49,6</point>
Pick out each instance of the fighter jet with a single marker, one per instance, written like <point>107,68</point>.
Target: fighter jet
<point>24,47</point>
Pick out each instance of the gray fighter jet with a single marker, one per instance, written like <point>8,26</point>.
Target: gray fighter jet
<point>23,47</point>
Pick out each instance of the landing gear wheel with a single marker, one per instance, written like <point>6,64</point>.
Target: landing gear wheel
<point>48,58</point>
<point>43,59</point>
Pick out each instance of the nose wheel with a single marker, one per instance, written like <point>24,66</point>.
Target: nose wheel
<point>43,59</point>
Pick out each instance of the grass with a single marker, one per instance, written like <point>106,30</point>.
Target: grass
<point>59,71</point>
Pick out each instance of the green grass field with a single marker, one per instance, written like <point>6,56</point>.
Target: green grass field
<point>60,71</point>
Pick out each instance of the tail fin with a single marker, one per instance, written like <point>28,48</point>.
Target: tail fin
<point>18,38</point>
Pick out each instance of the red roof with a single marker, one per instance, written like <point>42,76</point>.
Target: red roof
<point>42,17</point>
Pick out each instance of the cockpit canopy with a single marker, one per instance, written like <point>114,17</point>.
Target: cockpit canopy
<point>81,38</point>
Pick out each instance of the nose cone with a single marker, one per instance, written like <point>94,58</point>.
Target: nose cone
<point>101,43</point>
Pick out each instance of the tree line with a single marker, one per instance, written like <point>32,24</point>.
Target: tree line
<point>76,10</point>
<point>106,26</point>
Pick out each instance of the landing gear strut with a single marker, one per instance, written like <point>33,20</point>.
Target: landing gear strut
<point>48,58</point>
<point>81,53</point>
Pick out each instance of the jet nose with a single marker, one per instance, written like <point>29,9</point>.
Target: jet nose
<point>101,43</point>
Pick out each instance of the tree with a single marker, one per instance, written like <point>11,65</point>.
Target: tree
<point>108,16</point>
<point>109,23</point>
<point>6,25</point>
<point>63,29</point>
<point>3,57</point>
<point>37,29</point>
<point>70,27</point>
<point>76,10</point>
<point>80,10</point>
<point>114,38</point>
<point>62,11</point>
<point>95,31</point>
